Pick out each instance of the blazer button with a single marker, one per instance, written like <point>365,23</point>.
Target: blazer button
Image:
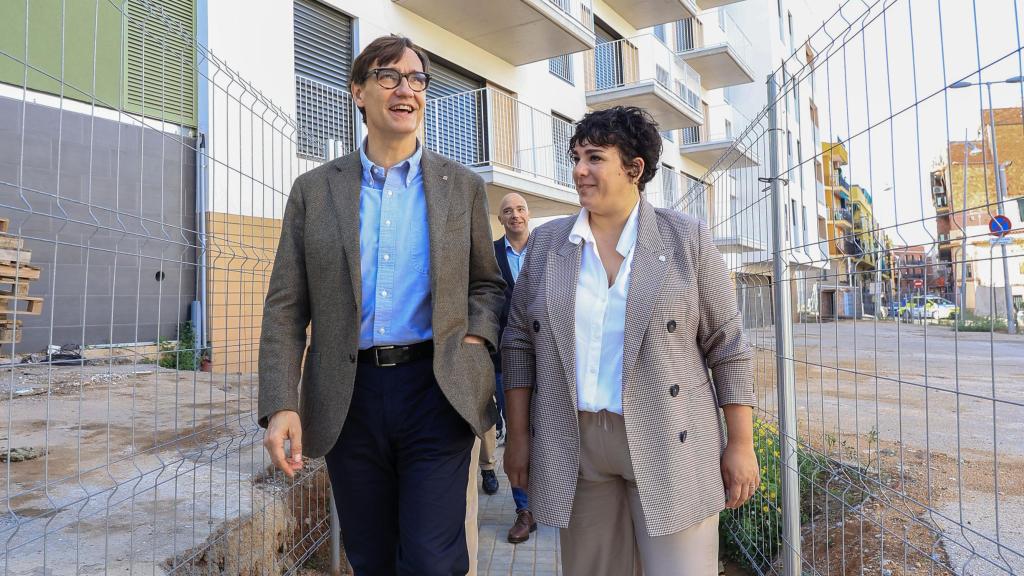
<point>674,390</point>
<point>671,326</point>
<point>536,326</point>
<point>682,436</point>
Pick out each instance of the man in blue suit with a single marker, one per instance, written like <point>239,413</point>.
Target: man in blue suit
<point>510,252</point>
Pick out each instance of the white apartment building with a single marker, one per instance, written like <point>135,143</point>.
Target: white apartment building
<point>780,30</point>
<point>509,78</point>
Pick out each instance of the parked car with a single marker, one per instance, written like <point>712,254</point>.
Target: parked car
<point>933,307</point>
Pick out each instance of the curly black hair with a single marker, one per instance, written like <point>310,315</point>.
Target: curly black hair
<point>630,129</point>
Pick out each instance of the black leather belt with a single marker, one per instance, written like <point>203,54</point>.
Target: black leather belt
<point>384,356</point>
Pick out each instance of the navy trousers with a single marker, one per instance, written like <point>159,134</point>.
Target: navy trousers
<point>399,471</point>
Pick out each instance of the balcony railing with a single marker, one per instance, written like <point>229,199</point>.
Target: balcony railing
<point>489,127</point>
<point>581,11</point>
<point>643,58</point>
<point>843,214</point>
<point>713,28</point>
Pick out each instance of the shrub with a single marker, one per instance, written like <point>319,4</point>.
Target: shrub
<point>180,355</point>
<point>752,535</point>
<point>972,323</point>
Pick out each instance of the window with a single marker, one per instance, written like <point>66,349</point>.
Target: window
<point>669,135</point>
<point>728,129</point>
<point>804,223</point>
<point>822,229</point>
<point>323,59</point>
<point>800,162</point>
<point>787,223</point>
<point>782,29</point>
<point>1020,208</point>
<point>789,17</point>
<point>691,135</point>
<point>796,217</point>
<point>561,66</point>
<point>659,33</point>
<point>789,152</point>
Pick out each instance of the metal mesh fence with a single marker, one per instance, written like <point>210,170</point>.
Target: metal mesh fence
<point>881,306</point>
<point>139,233</point>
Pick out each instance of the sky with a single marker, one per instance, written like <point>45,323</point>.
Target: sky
<point>894,64</point>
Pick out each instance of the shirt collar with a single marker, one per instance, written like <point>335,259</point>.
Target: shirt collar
<point>410,166</point>
<point>509,247</point>
<point>581,231</point>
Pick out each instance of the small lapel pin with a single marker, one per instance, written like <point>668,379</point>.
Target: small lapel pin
<point>445,177</point>
<point>661,258</point>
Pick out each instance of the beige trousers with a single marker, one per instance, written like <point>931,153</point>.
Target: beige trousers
<point>489,450</point>
<point>607,534</point>
<point>472,504</point>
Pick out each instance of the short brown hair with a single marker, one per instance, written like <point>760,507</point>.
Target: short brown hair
<point>384,50</point>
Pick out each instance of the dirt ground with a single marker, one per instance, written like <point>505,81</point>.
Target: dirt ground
<point>140,468</point>
<point>935,420</point>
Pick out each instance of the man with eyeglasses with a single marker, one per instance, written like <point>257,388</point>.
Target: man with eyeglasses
<point>387,253</point>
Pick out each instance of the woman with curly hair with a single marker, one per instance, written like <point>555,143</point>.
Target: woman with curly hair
<point>623,345</point>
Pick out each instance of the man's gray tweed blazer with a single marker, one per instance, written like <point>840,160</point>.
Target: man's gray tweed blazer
<point>682,323</point>
<point>316,281</point>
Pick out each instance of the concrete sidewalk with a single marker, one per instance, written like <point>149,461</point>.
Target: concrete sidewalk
<point>538,556</point>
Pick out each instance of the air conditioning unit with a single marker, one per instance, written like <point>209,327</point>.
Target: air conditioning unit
<point>936,190</point>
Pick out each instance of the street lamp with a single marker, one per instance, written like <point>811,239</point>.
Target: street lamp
<point>1011,317</point>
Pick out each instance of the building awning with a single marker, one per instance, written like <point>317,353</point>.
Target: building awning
<point>843,194</point>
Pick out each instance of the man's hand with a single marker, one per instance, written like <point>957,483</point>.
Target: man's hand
<point>284,425</point>
<point>471,339</point>
<point>517,460</point>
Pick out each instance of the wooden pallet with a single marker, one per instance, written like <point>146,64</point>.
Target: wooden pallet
<point>8,242</point>
<point>11,271</point>
<point>9,304</point>
<point>10,332</point>
<point>15,256</point>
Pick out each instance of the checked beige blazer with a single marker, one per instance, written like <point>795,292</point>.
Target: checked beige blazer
<point>681,323</point>
<point>316,282</point>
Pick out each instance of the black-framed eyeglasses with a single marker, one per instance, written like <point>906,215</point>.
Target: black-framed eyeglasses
<point>389,78</point>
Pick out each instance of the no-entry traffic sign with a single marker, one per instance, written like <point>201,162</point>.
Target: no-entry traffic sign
<point>999,225</point>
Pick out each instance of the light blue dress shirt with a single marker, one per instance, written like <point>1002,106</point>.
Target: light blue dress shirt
<point>394,249</point>
<point>601,317</point>
<point>515,259</point>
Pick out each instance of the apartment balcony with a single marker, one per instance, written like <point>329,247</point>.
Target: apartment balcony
<point>647,13</point>
<point>843,217</point>
<point>709,4</point>
<point>518,31</point>
<point>719,148</point>
<point>513,146</point>
<point>643,72</point>
<point>851,247</point>
<point>717,49</point>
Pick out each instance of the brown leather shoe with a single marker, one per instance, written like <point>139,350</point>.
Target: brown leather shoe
<point>520,531</point>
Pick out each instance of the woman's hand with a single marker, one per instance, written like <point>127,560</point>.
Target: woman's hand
<point>740,473</point>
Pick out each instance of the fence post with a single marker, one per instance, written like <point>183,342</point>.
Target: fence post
<point>784,374</point>
<point>335,538</point>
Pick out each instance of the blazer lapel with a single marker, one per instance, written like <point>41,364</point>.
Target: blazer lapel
<point>435,186</point>
<point>502,256</point>
<point>345,183</point>
<point>563,272</point>
<point>651,259</point>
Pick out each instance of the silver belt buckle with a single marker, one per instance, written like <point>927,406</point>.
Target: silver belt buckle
<point>376,356</point>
